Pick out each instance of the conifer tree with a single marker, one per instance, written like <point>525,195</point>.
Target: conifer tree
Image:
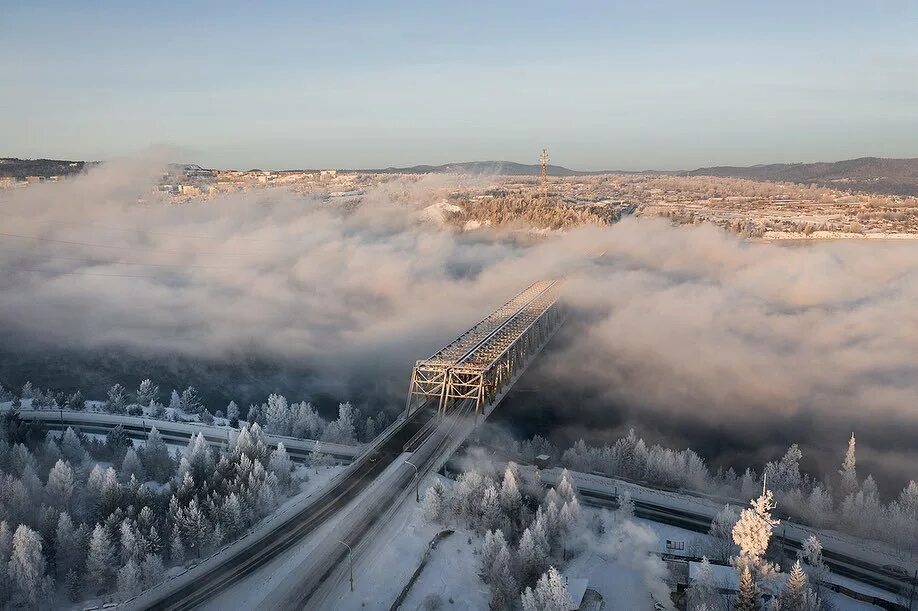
<point>100,561</point>
<point>748,598</point>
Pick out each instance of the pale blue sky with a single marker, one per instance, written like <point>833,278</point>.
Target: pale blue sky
<point>656,84</point>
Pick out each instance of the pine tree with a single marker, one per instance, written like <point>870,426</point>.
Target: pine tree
<point>190,402</point>
<point>703,592</point>
<point>504,588</point>
<point>131,465</point>
<point>550,594</point>
<point>795,588</point>
<point>117,397</point>
<point>280,464</point>
<point>532,557</point>
<point>748,598</point>
<point>68,547</point>
<point>566,488</point>
<point>76,401</point>
<point>72,448</point>
<point>100,561</point>
<point>176,548</point>
<point>510,498</point>
<point>129,579</point>
<point>848,471</point>
<point>174,401</point>
<point>752,533</point>
<point>433,504</point>
<point>147,393</point>
<point>26,567</point>
<point>6,542</point>
<point>232,413</point>
<point>73,584</point>
<point>152,570</point>
<point>493,542</point>
<point>60,485</point>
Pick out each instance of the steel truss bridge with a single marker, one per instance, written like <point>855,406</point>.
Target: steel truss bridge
<point>480,365</point>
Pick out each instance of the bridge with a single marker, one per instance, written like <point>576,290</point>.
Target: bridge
<point>484,361</point>
<point>470,375</point>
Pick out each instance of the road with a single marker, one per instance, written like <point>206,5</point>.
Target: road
<point>218,573</point>
<point>310,582</point>
<point>179,433</point>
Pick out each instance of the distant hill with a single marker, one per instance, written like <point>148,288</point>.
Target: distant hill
<point>502,168</point>
<point>869,174</point>
<point>10,167</point>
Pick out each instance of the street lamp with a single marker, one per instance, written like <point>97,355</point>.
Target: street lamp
<point>350,558</point>
<point>417,482</point>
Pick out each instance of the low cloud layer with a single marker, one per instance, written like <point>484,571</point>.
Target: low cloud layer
<point>691,334</point>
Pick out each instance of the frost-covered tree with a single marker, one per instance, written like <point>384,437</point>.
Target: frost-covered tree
<point>68,547</point>
<point>130,580</point>
<point>722,545</point>
<point>748,598</point>
<point>117,397</point>
<point>27,391</point>
<point>147,393</point>
<point>26,567</point>
<point>814,565</point>
<point>281,465</point>
<point>207,417</point>
<point>703,593</point>
<point>504,588</point>
<point>796,594</point>
<point>100,561</point>
<point>533,558</point>
<point>848,471</point>
<point>156,457</point>
<point>278,416</point>
<point>75,401</point>
<point>369,429</point>
<point>132,467</point>
<point>511,500</point>
<point>341,430</point>
<point>152,570</point>
<point>177,548</point>
<point>232,412</point>
<point>566,488</point>
<point>59,488</point>
<point>72,449</point>
<point>752,534</point>
<point>550,594</point>
<point>434,503</point>
<point>190,401</point>
<point>175,402</point>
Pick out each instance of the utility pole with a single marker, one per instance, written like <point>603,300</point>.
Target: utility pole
<point>350,557</point>
<point>543,175</point>
<point>417,482</point>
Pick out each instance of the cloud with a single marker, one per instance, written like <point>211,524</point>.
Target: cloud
<point>693,335</point>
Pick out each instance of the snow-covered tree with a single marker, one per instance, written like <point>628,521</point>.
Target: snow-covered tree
<point>27,391</point>
<point>566,488</point>
<point>131,466</point>
<point>511,500</point>
<point>156,457</point>
<point>278,416</point>
<point>533,558</point>
<point>175,402</point>
<point>796,594</point>
<point>59,488</point>
<point>434,503</point>
<point>504,588</point>
<point>130,580</point>
<point>68,547</point>
<point>26,567</point>
<point>100,561</point>
<point>72,449</point>
<point>748,598</point>
<point>752,533</point>
<point>117,398</point>
<point>814,565</point>
<point>152,570</point>
<point>281,465</point>
<point>190,402</point>
<point>147,393</point>
<point>722,545</point>
<point>232,411</point>
<point>177,548</point>
<point>341,430</point>
<point>550,594</point>
<point>703,593</point>
<point>848,471</point>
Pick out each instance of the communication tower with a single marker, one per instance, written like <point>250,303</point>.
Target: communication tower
<point>543,175</point>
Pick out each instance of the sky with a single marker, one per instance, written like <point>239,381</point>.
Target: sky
<point>602,85</point>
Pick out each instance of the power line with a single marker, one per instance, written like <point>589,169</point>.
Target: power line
<point>112,246</point>
<point>58,273</point>
<point>100,262</point>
